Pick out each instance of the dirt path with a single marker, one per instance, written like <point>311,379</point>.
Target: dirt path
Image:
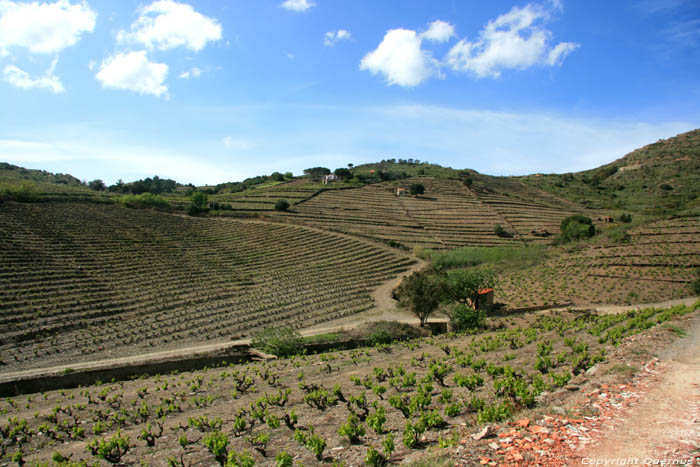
<point>615,309</point>
<point>665,423</point>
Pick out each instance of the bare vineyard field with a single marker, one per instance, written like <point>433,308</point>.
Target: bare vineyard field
<point>83,280</point>
<point>448,215</point>
<point>401,400</point>
<point>657,263</point>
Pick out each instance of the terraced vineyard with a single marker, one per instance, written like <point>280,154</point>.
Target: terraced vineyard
<point>401,400</point>
<point>263,198</point>
<point>448,215</point>
<point>84,279</point>
<point>657,263</point>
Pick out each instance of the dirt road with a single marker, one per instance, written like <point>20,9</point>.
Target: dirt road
<point>665,423</point>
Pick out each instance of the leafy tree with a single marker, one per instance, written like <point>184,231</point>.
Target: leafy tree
<point>316,173</point>
<point>420,293</point>
<point>576,227</point>
<point>343,173</point>
<point>198,203</point>
<point>417,189</point>
<point>281,205</point>
<point>626,218</point>
<point>97,185</point>
<point>276,176</point>
<point>463,285</point>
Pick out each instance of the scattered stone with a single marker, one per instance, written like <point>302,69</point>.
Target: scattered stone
<point>494,446</point>
<point>559,394</point>
<point>559,410</point>
<point>571,387</point>
<point>592,370</point>
<point>524,423</point>
<point>487,432</point>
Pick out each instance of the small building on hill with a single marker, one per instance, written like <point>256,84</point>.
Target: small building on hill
<point>484,299</point>
<point>329,179</point>
<point>401,192</point>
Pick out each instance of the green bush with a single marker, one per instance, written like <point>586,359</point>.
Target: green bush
<point>696,283</point>
<point>576,227</point>
<point>281,205</point>
<point>463,317</point>
<point>417,189</point>
<point>144,201</point>
<point>282,341</point>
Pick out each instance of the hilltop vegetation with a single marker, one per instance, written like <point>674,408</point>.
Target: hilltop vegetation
<point>660,178</point>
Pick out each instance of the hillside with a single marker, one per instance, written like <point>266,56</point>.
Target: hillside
<point>660,178</point>
<point>78,279</point>
<point>449,214</point>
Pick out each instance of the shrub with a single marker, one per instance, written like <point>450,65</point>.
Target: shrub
<point>281,205</point>
<point>417,189</point>
<point>463,285</point>
<point>501,232</point>
<point>111,450</point>
<point>145,200</point>
<point>696,283</point>
<point>463,317</point>
<point>626,218</point>
<point>353,429</point>
<point>282,341</point>
<point>576,227</point>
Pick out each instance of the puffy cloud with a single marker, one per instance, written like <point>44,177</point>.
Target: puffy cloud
<point>333,37</point>
<point>133,71</point>
<point>439,31</point>
<point>297,5</point>
<point>193,73</point>
<point>21,79</point>
<point>43,27</point>
<point>514,40</point>
<point>400,59</point>
<point>166,24</point>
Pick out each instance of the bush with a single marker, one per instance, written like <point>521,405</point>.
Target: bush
<point>696,283</point>
<point>281,205</point>
<point>463,317</point>
<point>576,227</point>
<point>501,232</point>
<point>417,189</point>
<point>626,218</point>
<point>420,293</point>
<point>283,341</point>
<point>145,200</point>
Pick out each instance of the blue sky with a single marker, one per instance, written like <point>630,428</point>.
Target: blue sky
<point>214,91</point>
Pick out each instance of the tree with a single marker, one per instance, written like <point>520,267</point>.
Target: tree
<point>420,293</point>
<point>417,189</point>
<point>281,205</point>
<point>576,227</point>
<point>463,317</point>
<point>351,165</point>
<point>342,173</point>
<point>97,185</point>
<point>198,203</point>
<point>463,285</point>
<point>316,173</point>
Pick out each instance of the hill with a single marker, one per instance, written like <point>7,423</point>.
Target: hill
<point>657,179</point>
<point>80,279</point>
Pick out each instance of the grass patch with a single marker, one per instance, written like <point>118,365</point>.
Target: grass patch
<point>623,369</point>
<point>474,256</point>
<point>326,338</point>
<point>676,330</point>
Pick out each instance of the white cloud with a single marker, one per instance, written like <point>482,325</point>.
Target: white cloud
<point>514,40</point>
<point>298,5</point>
<point>193,73</point>
<point>43,27</point>
<point>560,51</point>
<point>400,59</point>
<point>133,71</point>
<point>21,79</point>
<point>439,31</point>
<point>235,144</point>
<point>333,37</point>
<point>166,24</point>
